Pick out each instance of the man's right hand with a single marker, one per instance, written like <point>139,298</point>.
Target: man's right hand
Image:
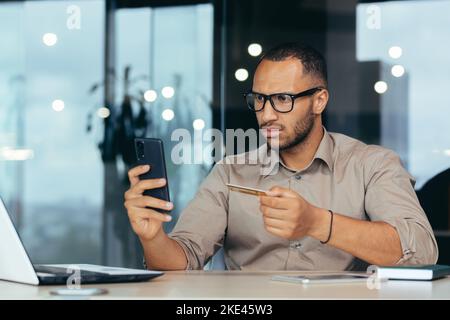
<point>145,221</point>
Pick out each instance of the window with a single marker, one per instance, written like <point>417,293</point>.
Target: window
<point>52,177</point>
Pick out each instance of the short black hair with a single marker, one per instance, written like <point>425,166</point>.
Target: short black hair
<point>312,60</point>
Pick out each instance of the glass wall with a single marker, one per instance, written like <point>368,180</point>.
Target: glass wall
<point>171,56</point>
<point>163,85</point>
<point>411,41</point>
<point>62,175</point>
<point>52,178</point>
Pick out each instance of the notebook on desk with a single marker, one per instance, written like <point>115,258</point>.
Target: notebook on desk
<point>417,272</point>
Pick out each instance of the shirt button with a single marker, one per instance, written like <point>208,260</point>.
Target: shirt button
<point>298,177</point>
<point>295,245</point>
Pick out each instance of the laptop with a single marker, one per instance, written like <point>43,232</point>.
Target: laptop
<point>16,266</point>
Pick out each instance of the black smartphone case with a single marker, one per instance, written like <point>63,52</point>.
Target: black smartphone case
<point>151,151</point>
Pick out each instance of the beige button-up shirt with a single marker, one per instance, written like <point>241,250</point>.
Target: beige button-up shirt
<point>365,182</point>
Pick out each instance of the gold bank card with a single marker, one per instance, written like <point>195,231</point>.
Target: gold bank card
<point>246,190</point>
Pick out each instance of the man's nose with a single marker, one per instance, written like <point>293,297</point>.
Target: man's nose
<point>268,112</point>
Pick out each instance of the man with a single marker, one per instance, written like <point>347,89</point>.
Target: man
<point>335,203</point>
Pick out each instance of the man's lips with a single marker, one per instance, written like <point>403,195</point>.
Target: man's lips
<point>271,132</point>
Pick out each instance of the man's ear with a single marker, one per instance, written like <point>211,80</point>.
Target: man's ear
<point>320,101</point>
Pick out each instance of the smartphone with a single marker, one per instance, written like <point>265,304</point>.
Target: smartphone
<point>78,292</point>
<point>323,279</point>
<point>150,151</point>
<point>246,190</point>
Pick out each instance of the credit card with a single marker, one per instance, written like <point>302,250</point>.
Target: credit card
<point>246,190</point>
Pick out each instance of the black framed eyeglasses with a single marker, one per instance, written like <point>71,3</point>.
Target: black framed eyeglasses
<point>280,102</point>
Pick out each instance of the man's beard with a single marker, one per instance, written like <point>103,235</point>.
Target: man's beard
<point>302,130</point>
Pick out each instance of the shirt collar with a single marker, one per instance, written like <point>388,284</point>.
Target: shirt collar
<point>326,149</point>
<point>324,152</point>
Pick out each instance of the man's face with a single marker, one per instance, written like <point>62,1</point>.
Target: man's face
<point>285,77</point>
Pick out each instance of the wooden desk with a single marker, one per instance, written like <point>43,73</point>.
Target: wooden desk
<point>241,285</point>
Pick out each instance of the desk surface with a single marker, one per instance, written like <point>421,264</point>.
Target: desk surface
<point>241,285</point>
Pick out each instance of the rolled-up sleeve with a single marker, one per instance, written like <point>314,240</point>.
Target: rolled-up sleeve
<point>200,230</point>
<point>390,197</point>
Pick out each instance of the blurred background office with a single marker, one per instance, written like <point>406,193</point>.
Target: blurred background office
<point>80,79</point>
